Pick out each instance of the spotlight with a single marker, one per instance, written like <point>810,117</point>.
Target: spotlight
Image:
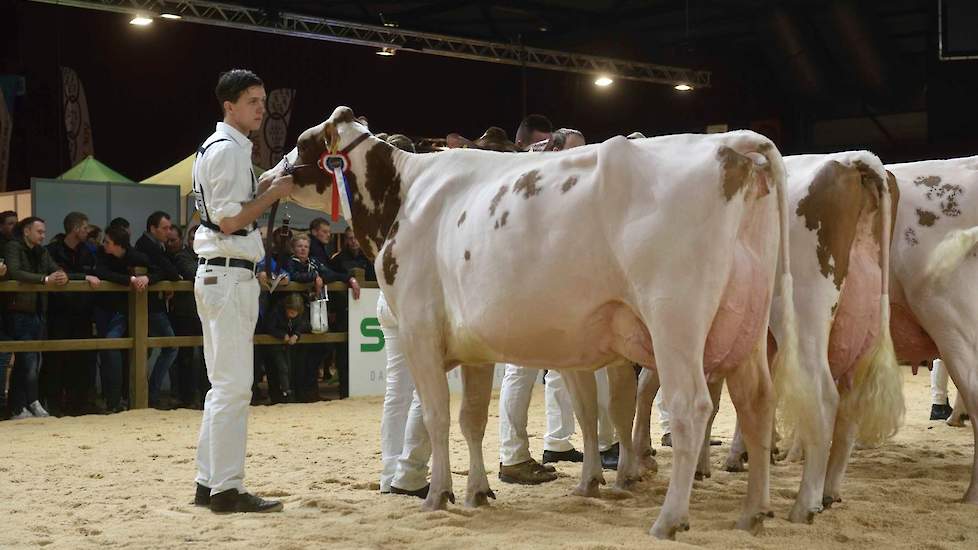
<point>386,52</point>
<point>140,21</point>
<point>603,81</point>
<point>683,87</point>
<point>170,16</point>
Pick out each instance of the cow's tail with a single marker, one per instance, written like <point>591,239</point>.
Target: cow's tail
<point>793,385</point>
<point>950,253</point>
<point>876,396</point>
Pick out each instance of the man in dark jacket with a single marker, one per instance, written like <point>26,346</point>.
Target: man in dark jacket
<point>188,371</point>
<point>161,268</point>
<point>28,262</point>
<point>352,256</point>
<point>68,377</point>
<point>119,263</point>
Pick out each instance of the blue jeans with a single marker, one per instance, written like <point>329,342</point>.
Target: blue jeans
<point>110,324</point>
<point>159,325</point>
<point>23,381</point>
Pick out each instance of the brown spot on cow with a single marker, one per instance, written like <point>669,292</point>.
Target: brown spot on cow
<point>495,200</point>
<point>468,255</point>
<point>390,262</point>
<point>735,171</point>
<point>569,184</point>
<point>926,218</point>
<point>460,220</point>
<point>928,181</point>
<point>911,237</point>
<point>502,220</point>
<point>527,184</point>
<point>836,198</point>
<point>383,186</point>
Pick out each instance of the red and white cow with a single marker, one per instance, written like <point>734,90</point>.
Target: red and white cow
<point>934,266</point>
<point>480,260</point>
<point>840,270</point>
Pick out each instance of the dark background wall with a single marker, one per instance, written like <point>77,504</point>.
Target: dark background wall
<point>151,102</point>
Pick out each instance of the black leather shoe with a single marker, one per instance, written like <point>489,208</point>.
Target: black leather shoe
<point>572,455</point>
<point>420,493</point>
<point>609,458</point>
<point>203,496</point>
<point>940,412</point>
<point>667,440</point>
<point>231,501</point>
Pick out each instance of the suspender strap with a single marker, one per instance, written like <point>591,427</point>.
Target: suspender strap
<point>206,217</point>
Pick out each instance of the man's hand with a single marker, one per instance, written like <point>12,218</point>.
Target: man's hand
<point>285,339</point>
<point>140,282</point>
<point>3,269</point>
<point>93,281</point>
<point>281,187</point>
<point>58,278</point>
<point>293,339</point>
<point>319,285</point>
<point>355,287</point>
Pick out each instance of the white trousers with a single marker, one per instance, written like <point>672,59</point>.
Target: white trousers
<point>663,413</point>
<point>227,302</point>
<point>397,403</point>
<point>938,383</point>
<point>514,404</point>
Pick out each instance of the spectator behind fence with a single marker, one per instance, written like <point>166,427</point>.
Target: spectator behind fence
<point>28,262</point>
<point>188,372</point>
<point>68,377</point>
<point>119,263</point>
<point>285,322</point>
<point>321,248</point>
<point>352,257</point>
<point>123,223</point>
<point>151,243</point>
<point>8,220</point>
<point>94,238</point>
<point>305,370</point>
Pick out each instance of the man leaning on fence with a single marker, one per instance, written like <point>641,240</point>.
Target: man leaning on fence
<point>230,200</point>
<point>28,262</point>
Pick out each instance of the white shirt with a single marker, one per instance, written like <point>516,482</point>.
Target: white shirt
<point>223,173</point>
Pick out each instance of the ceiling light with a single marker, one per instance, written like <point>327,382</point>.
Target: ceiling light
<point>683,87</point>
<point>603,81</point>
<point>386,52</point>
<point>140,21</point>
<point>170,16</point>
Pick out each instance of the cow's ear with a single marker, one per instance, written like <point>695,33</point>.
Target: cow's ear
<point>330,135</point>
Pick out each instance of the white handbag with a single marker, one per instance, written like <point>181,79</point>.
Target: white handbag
<point>318,313</point>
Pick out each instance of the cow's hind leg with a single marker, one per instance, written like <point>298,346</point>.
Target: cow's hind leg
<point>816,449</point>
<point>477,386</point>
<point>843,440</point>
<point>737,457</point>
<point>622,408</point>
<point>585,396</point>
<point>752,393</point>
<point>703,464</point>
<point>648,386</point>
<point>961,359</point>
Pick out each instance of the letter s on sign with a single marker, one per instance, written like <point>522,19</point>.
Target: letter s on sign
<point>370,328</point>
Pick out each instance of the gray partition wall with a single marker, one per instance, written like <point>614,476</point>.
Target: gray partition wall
<point>52,199</point>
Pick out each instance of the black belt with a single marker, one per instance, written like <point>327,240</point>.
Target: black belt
<point>229,262</point>
<point>239,233</point>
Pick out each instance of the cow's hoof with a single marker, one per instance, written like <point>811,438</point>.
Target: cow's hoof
<point>802,515</point>
<point>589,489</point>
<point>753,524</point>
<point>438,501</point>
<point>480,498</point>
<point>700,476</point>
<point>648,463</point>
<point>957,421</point>
<point>828,501</point>
<point>734,466</point>
<point>668,532</point>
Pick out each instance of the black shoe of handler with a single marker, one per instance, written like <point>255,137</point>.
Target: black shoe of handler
<point>572,455</point>
<point>940,412</point>
<point>421,493</point>
<point>203,496</point>
<point>609,458</point>
<point>231,501</point>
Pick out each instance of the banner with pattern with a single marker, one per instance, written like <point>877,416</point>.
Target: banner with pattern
<point>269,145</point>
<point>78,127</point>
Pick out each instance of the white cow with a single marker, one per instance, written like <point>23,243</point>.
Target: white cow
<point>840,270</point>
<point>486,260</point>
<point>934,266</point>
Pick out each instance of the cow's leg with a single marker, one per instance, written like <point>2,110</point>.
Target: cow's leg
<point>843,440</point>
<point>961,358</point>
<point>815,451</point>
<point>752,393</point>
<point>477,387</point>
<point>737,457</point>
<point>427,368</point>
<point>679,337</point>
<point>703,464</point>
<point>585,396</point>
<point>648,386</point>
<point>959,413</point>
<point>621,379</point>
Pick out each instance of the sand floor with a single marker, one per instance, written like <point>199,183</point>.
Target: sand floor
<point>126,481</point>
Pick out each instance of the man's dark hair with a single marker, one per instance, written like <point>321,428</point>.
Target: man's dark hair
<point>155,218</point>
<point>6,214</point>
<point>537,123</point>
<point>119,235</point>
<point>232,84</point>
<point>74,220</point>
<point>119,222</point>
<point>316,223</point>
<point>24,223</point>
<point>177,230</point>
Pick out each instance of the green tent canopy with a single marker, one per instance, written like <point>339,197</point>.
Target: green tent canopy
<point>93,170</point>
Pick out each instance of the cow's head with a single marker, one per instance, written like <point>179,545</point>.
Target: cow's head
<point>316,141</point>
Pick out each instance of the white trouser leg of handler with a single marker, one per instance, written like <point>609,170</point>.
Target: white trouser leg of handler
<point>412,465</point>
<point>397,403</point>
<point>938,383</point>
<point>560,414</point>
<point>663,413</point>
<point>606,428</point>
<point>514,403</point>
